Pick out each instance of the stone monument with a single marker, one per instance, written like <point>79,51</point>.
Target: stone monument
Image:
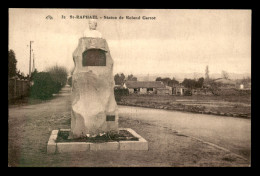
<point>94,109</point>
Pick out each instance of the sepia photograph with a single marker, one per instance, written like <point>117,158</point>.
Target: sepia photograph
<point>129,87</point>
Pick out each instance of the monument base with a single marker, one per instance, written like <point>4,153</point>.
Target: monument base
<point>64,147</point>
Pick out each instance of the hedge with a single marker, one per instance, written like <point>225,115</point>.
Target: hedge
<point>44,86</point>
<point>120,92</point>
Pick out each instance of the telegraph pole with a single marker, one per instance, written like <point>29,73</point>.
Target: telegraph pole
<point>33,67</point>
<point>30,58</point>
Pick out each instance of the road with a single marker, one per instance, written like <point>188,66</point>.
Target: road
<point>231,133</point>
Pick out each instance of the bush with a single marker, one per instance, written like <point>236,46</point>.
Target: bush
<point>49,82</point>
<point>119,93</point>
<point>43,86</point>
<point>187,93</point>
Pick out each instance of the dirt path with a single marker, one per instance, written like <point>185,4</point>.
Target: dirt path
<point>30,127</point>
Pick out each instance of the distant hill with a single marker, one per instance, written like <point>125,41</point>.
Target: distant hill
<point>180,76</point>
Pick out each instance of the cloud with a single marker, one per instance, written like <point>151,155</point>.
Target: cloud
<point>178,41</point>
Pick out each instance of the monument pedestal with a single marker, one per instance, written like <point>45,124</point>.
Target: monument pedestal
<point>67,147</point>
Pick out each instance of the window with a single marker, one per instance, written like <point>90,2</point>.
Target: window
<point>94,57</point>
<point>149,89</point>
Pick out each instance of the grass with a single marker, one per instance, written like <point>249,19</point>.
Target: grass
<point>225,104</point>
<point>170,98</point>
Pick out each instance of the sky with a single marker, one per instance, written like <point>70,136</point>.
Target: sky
<point>176,41</point>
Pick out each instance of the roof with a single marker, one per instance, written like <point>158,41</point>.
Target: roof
<point>178,86</point>
<point>162,89</point>
<point>144,84</point>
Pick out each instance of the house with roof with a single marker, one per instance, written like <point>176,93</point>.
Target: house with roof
<point>146,87</point>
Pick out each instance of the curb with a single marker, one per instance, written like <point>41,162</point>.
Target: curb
<point>65,147</point>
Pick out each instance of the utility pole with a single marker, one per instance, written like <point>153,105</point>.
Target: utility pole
<point>33,67</point>
<point>30,58</point>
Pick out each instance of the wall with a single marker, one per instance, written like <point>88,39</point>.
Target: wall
<point>131,91</point>
<point>162,91</point>
<point>178,91</point>
<point>169,90</point>
<point>151,91</point>
<point>17,88</point>
<point>143,90</point>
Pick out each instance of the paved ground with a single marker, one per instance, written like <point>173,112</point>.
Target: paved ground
<point>228,132</point>
<point>29,128</point>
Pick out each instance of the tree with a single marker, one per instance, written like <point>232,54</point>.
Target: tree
<point>200,82</point>
<point>225,74</point>
<point>214,87</point>
<point>21,75</point>
<point>33,73</point>
<point>158,79</point>
<point>119,79</point>
<point>59,76</point>
<point>18,74</point>
<point>11,63</point>
<point>131,78</point>
<point>174,82</point>
<point>246,80</point>
<point>207,73</point>
<point>167,81</point>
<point>193,83</point>
<point>189,83</point>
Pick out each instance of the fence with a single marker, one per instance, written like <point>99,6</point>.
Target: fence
<point>17,88</point>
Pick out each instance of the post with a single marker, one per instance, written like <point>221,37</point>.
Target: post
<point>30,59</point>
<point>33,64</point>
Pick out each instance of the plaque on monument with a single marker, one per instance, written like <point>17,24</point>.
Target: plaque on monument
<point>94,57</point>
<point>110,118</point>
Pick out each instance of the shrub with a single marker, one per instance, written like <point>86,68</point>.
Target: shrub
<point>187,93</point>
<point>119,93</point>
<point>43,86</point>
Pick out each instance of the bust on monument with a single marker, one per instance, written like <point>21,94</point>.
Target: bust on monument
<point>94,109</point>
<point>92,32</point>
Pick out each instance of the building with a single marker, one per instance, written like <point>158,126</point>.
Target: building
<point>178,90</point>
<point>163,91</point>
<point>146,87</point>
